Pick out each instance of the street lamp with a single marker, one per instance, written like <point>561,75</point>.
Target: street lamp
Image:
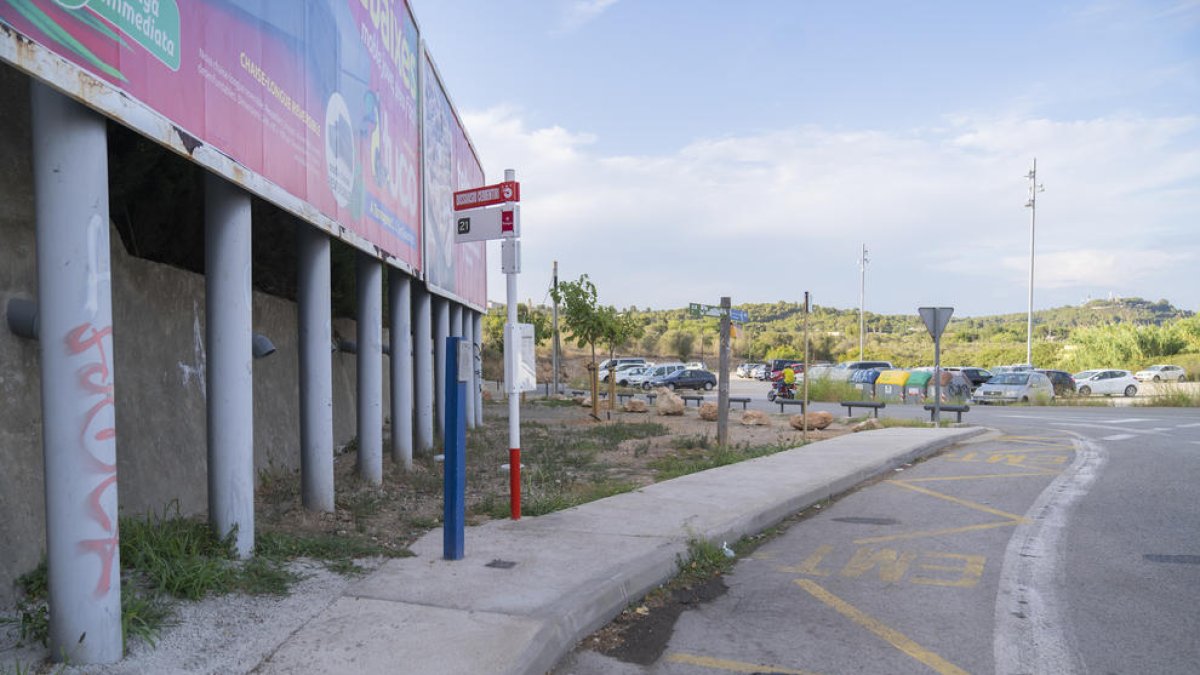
<point>1034,189</point>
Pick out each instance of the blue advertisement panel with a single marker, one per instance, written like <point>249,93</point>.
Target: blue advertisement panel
<point>455,270</point>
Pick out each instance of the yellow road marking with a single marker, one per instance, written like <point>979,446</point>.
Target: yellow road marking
<point>731,666</point>
<point>881,630</point>
<point>935,533</point>
<point>958,500</point>
<point>1047,472</point>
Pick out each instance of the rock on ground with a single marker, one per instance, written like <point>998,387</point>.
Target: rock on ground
<point>708,411</point>
<point>755,417</point>
<point>667,403</point>
<point>634,405</point>
<point>867,425</point>
<point>816,420</point>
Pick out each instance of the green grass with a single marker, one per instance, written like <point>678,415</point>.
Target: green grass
<point>824,389</point>
<point>704,560</point>
<point>703,459</point>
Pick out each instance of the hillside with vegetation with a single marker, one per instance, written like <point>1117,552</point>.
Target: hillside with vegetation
<point>1120,333</point>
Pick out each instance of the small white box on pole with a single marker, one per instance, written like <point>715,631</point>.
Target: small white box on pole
<point>510,256</point>
<point>520,339</point>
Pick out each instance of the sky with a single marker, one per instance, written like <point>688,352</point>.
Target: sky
<point>679,152</point>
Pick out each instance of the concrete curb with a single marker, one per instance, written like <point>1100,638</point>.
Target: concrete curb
<point>573,571</point>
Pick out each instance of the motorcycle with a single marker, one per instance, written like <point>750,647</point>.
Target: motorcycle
<point>781,390</point>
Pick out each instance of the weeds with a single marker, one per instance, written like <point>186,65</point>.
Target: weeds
<point>704,560</point>
<point>1169,396</point>
<point>670,467</point>
<point>825,389</point>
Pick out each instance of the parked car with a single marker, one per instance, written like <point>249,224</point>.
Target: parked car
<point>696,365</point>
<point>1161,374</point>
<point>619,371</point>
<point>615,363</point>
<point>689,378</point>
<point>759,372</point>
<point>842,371</point>
<point>631,376</point>
<point>1012,387</point>
<point>976,376</point>
<point>1015,368</point>
<point>743,369</point>
<point>658,372</point>
<point>1064,384</point>
<point>1107,382</point>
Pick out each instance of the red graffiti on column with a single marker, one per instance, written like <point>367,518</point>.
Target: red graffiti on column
<point>97,437</point>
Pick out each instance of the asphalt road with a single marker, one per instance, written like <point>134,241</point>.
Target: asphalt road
<point>1067,542</point>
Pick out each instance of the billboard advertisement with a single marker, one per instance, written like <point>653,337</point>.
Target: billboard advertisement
<point>454,270</point>
<point>318,99</point>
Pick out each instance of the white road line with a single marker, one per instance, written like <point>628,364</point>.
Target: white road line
<point>1119,437</point>
<point>1187,426</point>
<point>1130,420</point>
<point>1031,634</point>
<point>1101,427</point>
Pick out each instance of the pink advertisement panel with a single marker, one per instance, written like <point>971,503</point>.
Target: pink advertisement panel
<point>319,97</point>
<point>458,270</point>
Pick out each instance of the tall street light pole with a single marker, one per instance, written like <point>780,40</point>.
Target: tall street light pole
<point>1034,189</point>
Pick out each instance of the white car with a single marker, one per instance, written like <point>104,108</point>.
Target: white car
<point>620,371</point>
<point>1107,382</point>
<point>1161,374</point>
<point>1014,387</point>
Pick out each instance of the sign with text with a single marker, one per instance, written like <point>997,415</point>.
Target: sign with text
<point>453,270</point>
<point>739,315</point>
<point>488,195</point>
<point>488,223</point>
<point>316,99</point>
<point>696,309</point>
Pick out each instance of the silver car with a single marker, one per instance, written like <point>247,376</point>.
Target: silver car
<point>1014,387</point>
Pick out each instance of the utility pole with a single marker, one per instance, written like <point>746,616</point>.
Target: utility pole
<point>554,326</point>
<point>1034,189</point>
<point>862,297</point>
<point>723,373</point>
<point>807,371</point>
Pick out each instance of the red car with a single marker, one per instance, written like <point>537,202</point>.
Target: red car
<point>777,375</point>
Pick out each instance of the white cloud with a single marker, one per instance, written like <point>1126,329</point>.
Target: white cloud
<point>1122,193</point>
<point>579,12</point>
<point>1092,268</point>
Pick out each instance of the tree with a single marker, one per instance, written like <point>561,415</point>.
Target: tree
<point>581,315</point>
<point>620,330</point>
<point>493,324</point>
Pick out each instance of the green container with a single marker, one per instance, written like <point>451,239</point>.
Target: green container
<point>916,389</point>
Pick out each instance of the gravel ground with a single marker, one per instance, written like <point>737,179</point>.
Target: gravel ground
<point>224,634</point>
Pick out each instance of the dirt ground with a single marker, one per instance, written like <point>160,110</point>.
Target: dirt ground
<point>568,457</point>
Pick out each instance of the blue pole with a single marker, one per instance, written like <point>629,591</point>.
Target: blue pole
<point>454,436</point>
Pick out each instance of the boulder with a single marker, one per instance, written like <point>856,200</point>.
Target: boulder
<point>752,418</point>
<point>816,420</point>
<point>867,425</point>
<point>708,411</point>
<point>667,403</point>
<point>634,405</point>
<point>585,401</point>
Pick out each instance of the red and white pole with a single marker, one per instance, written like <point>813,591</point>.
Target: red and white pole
<point>511,261</point>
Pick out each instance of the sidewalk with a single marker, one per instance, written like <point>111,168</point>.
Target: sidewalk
<point>555,579</point>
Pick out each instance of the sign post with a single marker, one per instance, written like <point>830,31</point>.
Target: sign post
<point>454,482</point>
<point>482,214</point>
<point>723,382</point>
<point>935,319</point>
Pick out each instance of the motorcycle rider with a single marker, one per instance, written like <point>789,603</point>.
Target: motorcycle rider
<point>789,382</point>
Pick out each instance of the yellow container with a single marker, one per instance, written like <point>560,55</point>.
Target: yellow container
<point>896,377</point>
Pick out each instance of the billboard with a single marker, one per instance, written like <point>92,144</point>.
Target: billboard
<point>453,270</point>
<point>314,105</point>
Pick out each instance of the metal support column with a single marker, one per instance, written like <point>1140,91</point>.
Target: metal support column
<point>423,368</point>
<point>401,365</point>
<point>478,386</point>
<point>70,178</point>
<point>468,335</point>
<point>230,361</point>
<point>441,331</point>
<point>369,284</point>
<point>313,301</point>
